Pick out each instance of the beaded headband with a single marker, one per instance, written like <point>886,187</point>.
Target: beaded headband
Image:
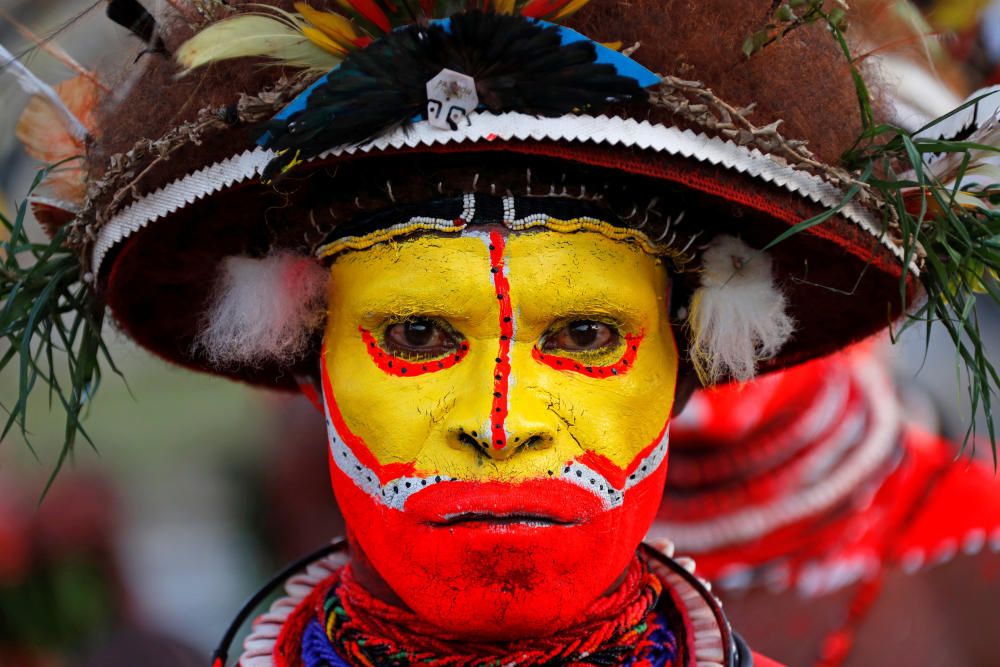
<point>455,215</point>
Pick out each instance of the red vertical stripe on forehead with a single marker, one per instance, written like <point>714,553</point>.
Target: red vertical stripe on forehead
<point>501,373</point>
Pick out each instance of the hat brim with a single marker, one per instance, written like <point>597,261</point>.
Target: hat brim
<point>158,258</point>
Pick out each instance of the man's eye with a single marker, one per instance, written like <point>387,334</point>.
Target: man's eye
<point>582,336</point>
<point>419,337</point>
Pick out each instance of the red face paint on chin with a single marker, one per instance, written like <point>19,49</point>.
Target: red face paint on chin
<point>502,579</point>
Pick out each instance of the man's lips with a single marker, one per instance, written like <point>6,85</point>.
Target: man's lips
<point>489,518</point>
<point>543,502</point>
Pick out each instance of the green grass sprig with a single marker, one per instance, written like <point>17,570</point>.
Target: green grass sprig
<point>949,226</point>
<point>51,323</point>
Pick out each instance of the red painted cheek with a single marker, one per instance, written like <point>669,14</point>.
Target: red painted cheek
<point>401,367</point>
<point>620,367</point>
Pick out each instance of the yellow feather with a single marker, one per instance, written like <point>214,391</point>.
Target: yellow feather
<point>254,35</point>
<point>504,6</point>
<point>320,39</point>
<point>570,8</point>
<point>336,27</point>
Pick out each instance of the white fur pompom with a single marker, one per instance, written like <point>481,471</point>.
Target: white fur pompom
<point>738,315</point>
<point>263,310</point>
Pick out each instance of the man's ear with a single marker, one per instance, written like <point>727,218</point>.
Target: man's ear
<point>687,384</point>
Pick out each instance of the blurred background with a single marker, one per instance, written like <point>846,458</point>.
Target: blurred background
<point>198,489</point>
<point>149,543</point>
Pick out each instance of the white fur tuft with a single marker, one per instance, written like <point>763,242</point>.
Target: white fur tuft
<point>738,315</point>
<point>263,310</point>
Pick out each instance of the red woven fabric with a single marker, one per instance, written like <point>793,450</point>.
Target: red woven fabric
<point>763,469</point>
<point>763,661</point>
<point>961,508</point>
<point>287,649</point>
<point>631,604</point>
<point>607,618</point>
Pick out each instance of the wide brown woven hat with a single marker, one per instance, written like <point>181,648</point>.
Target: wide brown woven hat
<point>720,144</point>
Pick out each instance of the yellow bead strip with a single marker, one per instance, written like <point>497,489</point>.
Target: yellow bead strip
<point>679,256</point>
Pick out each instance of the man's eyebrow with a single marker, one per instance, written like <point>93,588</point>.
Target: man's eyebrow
<point>605,304</point>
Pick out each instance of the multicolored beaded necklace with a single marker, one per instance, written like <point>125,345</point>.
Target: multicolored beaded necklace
<point>353,629</point>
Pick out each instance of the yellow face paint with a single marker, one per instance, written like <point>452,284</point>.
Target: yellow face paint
<point>442,420</point>
<point>498,405</point>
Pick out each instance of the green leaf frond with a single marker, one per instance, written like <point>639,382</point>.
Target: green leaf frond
<point>947,223</point>
<point>50,324</point>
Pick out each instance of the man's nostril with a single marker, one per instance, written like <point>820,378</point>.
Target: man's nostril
<point>534,442</point>
<point>470,441</point>
<point>514,444</point>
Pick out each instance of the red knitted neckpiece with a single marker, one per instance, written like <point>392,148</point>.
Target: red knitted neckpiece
<point>622,618</point>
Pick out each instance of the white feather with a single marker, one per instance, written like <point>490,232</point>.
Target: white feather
<point>969,119</point>
<point>738,315</point>
<point>263,310</point>
<point>32,85</point>
<point>978,123</point>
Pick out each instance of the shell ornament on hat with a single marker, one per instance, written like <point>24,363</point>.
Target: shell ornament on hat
<point>254,142</point>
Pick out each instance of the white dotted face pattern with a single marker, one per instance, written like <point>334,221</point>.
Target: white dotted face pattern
<point>394,493</point>
<point>593,481</point>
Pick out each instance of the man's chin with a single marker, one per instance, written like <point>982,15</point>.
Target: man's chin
<point>489,581</point>
<point>496,586</point>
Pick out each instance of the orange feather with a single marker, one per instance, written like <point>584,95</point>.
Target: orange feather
<point>43,132</point>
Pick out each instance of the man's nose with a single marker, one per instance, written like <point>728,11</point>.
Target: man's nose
<point>502,441</point>
<point>497,414</point>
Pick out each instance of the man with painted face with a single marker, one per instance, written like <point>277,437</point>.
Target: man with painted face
<point>497,308</point>
<point>507,442</point>
<point>485,442</point>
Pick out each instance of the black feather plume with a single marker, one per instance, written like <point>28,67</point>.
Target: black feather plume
<point>518,64</point>
<point>132,15</point>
